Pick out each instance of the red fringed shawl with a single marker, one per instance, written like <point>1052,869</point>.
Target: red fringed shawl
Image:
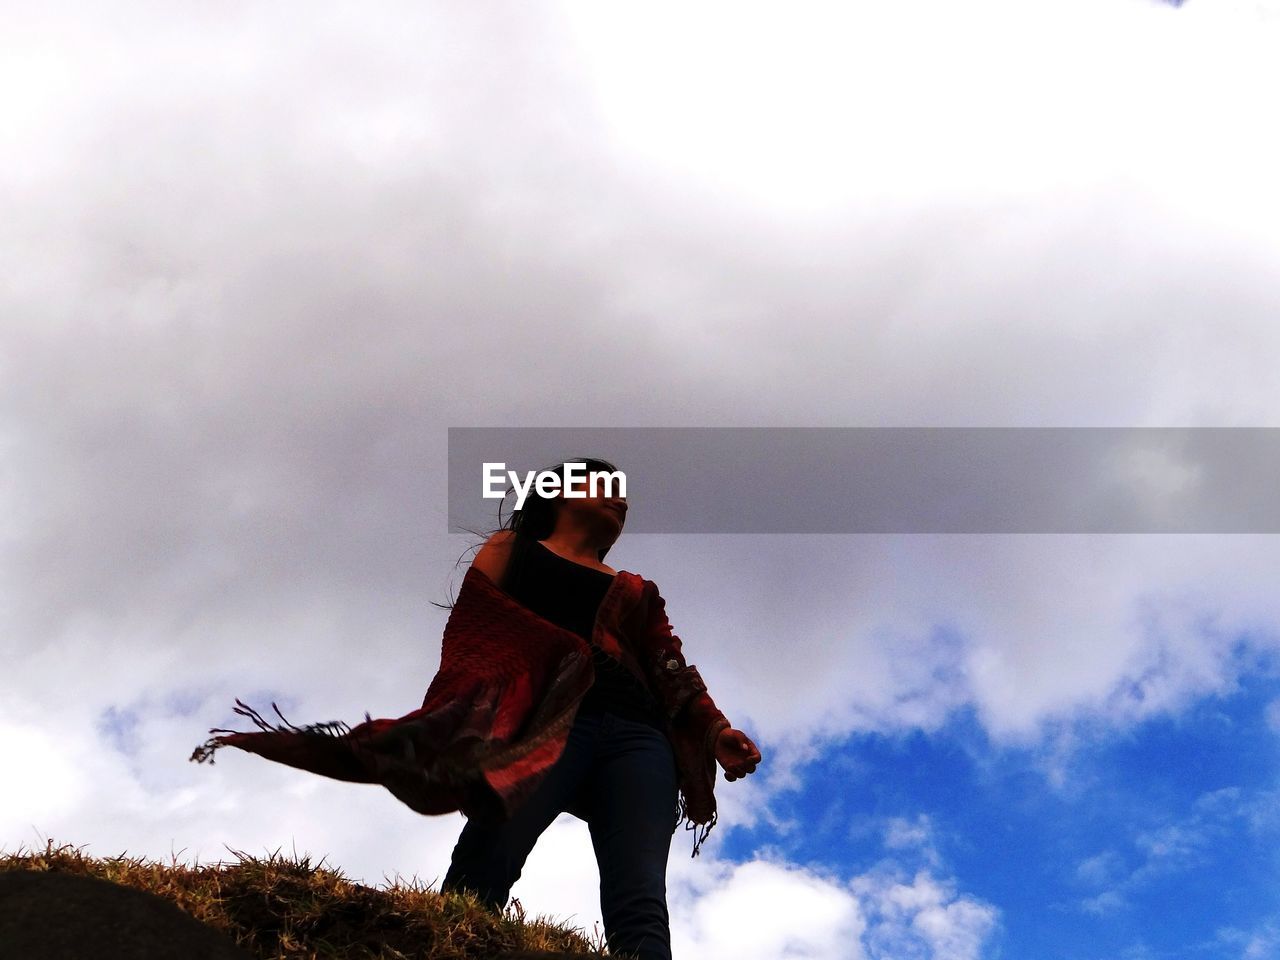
<point>498,712</point>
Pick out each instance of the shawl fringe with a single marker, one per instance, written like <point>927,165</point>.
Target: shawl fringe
<point>702,829</point>
<point>337,729</point>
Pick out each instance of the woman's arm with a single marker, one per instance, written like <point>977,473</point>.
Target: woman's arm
<point>493,557</point>
<point>731,748</point>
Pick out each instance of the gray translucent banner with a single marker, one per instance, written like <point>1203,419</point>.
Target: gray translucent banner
<point>899,479</point>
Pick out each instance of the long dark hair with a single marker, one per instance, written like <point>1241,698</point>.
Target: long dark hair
<point>533,522</point>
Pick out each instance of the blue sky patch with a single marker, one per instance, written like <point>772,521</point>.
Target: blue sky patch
<point>1159,842</point>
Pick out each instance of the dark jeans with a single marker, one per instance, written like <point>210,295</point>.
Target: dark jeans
<point>622,775</point>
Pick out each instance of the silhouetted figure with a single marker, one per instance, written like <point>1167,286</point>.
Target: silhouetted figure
<point>619,770</point>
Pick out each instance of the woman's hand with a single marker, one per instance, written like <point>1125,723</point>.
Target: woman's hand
<point>736,753</point>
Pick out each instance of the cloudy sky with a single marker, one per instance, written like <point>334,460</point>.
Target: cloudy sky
<point>260,257</point>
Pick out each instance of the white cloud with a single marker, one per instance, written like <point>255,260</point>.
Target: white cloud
<point>761,911</point>
<point>768,908</point>
<point>1261,942</point>
<point>910,834</point>
<point>838,107</point>
<point>1169,846</point>
<point>923,917</point>
<point>1108,901</point>
<point>1100,869</point>
<point>1273,716</point>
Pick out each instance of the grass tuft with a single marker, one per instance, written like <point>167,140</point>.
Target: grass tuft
<point>290,909</point>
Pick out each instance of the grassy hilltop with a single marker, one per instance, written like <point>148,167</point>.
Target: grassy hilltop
<point>282,909</point>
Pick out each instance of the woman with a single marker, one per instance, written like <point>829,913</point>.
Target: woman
<point>561,687</point>
<point>618,770</point>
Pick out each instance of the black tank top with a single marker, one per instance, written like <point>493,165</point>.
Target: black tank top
<point>569,594</point>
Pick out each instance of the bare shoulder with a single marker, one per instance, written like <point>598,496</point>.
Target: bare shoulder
<point>492,558</point>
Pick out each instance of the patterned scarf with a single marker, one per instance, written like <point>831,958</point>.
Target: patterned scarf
<point>498,712</point>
